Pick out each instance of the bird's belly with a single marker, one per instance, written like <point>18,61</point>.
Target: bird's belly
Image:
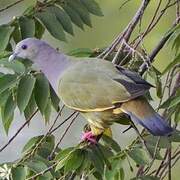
<point>103,119</point>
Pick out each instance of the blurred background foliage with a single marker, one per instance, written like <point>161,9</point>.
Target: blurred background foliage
<point>81,33</point>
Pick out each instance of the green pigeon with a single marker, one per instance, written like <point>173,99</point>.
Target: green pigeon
<point>98,89</point>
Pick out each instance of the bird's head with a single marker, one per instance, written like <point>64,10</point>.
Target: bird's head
<point>27,49</point>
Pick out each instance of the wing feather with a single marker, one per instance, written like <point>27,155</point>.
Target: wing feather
<point>97,86</point>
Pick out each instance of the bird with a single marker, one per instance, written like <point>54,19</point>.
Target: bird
<point>98,89</point>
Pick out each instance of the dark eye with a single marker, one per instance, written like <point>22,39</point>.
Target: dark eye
<point>24,46</point>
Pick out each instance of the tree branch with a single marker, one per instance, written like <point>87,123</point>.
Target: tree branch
<point>18,131</point>
<point>155,51</point>
<point>127,31</point>
<point>63,135</point>
<point>11,5</point>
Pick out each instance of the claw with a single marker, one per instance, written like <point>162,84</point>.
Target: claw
<point>88,136</point>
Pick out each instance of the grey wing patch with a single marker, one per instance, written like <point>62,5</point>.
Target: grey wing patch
<point>134,89</point>
<point>133,76</point>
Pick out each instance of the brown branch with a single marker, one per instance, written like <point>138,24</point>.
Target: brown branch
<point>55,120</point>
<point>153,22</point>
<point>31,153</point>
<point>18,131</point>
<point>148,29</point>
<point>57,127</point>
<point>176,160</point>
<point>11,5</point>
<point>63,135</point>
<point>128,30</point>
<point>154,52</point>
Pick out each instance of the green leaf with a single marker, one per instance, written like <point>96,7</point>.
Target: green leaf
<point>172,101</point>
<point>18,173</point>
<point>39,29</point>
<point>151,149</point>
<point>47,111</point>
<point>122,174</point>
<point>155,74</point>
<point>37,167</point>
<point>176,116</point>
<point>16,33</point>
<point>25,89</point>
<point>74,161</point>
<point>81,52</point>
<point>96,160</point>
<point>3,97</point>
<point>27,27</point>
<point>152,141</point>
<point>7,81</point>
<point>111,143</point>
<point>92,6</point>
<point>75,18</point>
<point>42,92</point>
<point>16,66</point>
<point>7,113</point>
<point>62,157</point>
<point>54,99</point>
<point>51,23</point>
<point>139,155</point>
<point>5,33</point>
<point>30,108</point>
<point>31,143</point>
<point>175,137</point>
<point>172,64</point>
<point>81,10</point>
<point>63,153</point>
<point>63,18</point>
<point>5,54</point>
<point>46,147</point>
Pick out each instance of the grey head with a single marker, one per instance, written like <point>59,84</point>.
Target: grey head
<point>29,49</point>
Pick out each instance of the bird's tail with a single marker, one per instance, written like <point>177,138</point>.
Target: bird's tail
<point>141,112</point>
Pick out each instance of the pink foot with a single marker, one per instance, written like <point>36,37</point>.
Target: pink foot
<point>88,136</point>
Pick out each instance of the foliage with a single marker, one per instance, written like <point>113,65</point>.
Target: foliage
<point>28,90</point>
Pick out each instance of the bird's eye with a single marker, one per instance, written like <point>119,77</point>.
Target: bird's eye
<point>24,46</point>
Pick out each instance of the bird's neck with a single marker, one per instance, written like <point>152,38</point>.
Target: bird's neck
<point>53,64</point>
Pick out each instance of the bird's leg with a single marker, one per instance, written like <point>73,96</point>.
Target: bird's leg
<point>88,136</point>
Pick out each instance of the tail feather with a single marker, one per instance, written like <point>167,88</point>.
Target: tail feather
<point>155,124</point>
<point>141,112</point>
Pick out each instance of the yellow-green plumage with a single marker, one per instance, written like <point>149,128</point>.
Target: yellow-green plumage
<point>92,86</point>
<point>97,88</point>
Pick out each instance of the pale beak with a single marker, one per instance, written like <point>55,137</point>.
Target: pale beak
<point>12,57</point>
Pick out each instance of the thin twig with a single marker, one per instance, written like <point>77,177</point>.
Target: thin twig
<point>127,31</point>
<point>178,158</point>
<point>63,135</point>
<point>11,5</point>
<point>124,3</point>
<point>162,163</point>
<point>153,22</point>
<point>18,131</point>
<point>142,140</point>
<point>169,163</point>
<point>141,36</point>
<point>57,127</point>
<point>154,157</point>
<point>31,153</point>
<point>59,114</point>
<point>42,172</point>
<point>154,52</point>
